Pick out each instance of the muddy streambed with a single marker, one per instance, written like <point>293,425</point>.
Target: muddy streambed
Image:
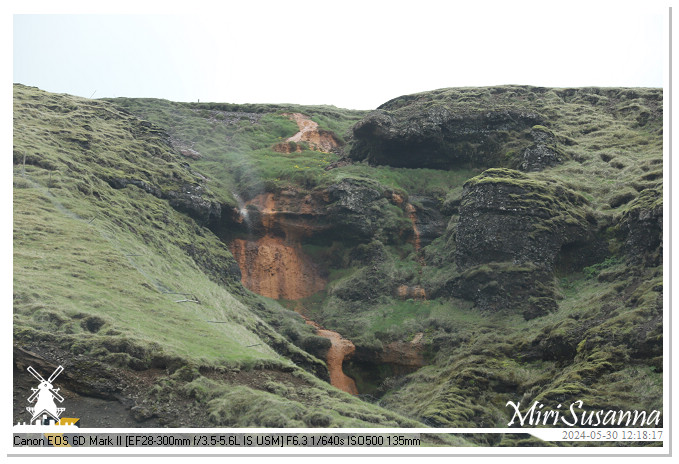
<point>340,349</point>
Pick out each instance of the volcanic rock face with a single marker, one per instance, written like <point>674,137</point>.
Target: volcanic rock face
<point>507,216</point>
<point>642,226</point>
<point>510,231</point>
<point>193,200</point>
<point>352,211</point>
<point>288,214</point>
<point>437,137</point>
<point>373,367</point>
<point>363,210</point>
<point>427,220</point>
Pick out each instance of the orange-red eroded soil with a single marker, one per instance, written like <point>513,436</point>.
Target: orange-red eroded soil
<point>340,349</point>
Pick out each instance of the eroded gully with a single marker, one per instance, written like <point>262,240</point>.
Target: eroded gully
<point>273,264</point>
<point>276,267</point>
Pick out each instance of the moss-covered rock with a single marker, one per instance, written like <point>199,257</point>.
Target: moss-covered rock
<point>366,285</point>
<point>510,232</point>
<point>544,152</point>
<point>438,136</point>
<point>642,226</point>
<point>508,216</point>
<point>358,209</point>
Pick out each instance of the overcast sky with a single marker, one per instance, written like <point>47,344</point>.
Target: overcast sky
<point>352,54</point>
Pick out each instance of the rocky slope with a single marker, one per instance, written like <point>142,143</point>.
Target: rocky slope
<point>520,243</point>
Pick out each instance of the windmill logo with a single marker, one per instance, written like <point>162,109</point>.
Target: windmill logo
<point>45,410</point>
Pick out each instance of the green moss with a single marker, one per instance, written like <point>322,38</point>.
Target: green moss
<point>595,269</point>
<point>648,199</point>
<point>546,130</point>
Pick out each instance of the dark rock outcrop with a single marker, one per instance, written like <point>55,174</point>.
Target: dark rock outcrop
<point>544,151</point>
<point>642,226</point>
<point>505,286</point>
<point>365,286</point>
<point>195,201</point>
<point>427,219</point>
<point>191,199</point>
<point>438,137</point>
<point>122,182</point>
<point>510,232</point>
<point>353,195</point>
<point>359,209</point>
<point>508,216</point>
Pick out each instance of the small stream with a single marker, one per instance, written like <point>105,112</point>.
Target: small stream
<point>339,349</point>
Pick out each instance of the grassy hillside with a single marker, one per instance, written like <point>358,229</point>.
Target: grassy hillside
<point>114,283</point>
